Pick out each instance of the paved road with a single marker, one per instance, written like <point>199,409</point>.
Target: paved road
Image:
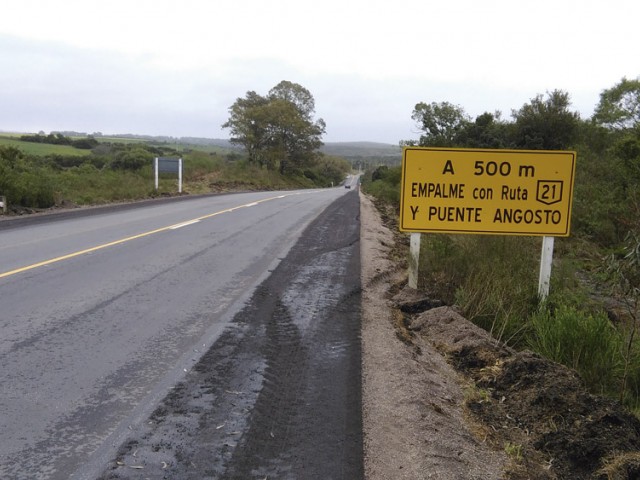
<point>102,315</point>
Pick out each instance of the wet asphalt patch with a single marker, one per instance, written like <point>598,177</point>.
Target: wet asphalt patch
<point>278,395</point>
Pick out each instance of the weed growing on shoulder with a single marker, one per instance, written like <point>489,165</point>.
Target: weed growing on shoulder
<point>514,451</point>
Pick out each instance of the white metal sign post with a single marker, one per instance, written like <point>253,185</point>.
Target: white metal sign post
<point>546,259</point>
<point>414,260</point>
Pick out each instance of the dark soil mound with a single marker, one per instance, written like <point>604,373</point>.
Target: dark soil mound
<point>536,410</point>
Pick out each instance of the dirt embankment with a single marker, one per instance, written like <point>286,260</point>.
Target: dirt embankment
<point>444,400</point>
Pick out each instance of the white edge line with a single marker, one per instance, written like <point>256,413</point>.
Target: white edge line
<point>184,224</point>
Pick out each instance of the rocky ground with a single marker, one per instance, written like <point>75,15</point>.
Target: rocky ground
<point>444,400</point>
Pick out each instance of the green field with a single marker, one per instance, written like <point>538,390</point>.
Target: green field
<point>40,149</point>
<point>179,145</point>
<point>124,140</point>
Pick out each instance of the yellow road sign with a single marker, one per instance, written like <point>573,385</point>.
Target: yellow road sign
<point>502,192</point>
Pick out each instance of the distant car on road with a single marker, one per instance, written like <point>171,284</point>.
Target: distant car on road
<point>347,185</point>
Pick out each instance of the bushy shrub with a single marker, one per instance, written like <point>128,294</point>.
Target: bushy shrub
<point>24,184</point>
<point>384,184</point>
<point>132,159</point>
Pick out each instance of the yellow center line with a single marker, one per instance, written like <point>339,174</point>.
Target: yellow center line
<point>134,237</point>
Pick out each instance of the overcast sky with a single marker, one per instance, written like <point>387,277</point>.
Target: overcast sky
<point>165,67</point>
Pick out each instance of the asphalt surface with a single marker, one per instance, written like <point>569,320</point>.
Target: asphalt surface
<point>278,395</point>
<point>103,314</point>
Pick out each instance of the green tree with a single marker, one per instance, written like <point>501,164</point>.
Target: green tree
<point>487,131</point>
<point>278,131</point>
<point>619,113</point>
<point>330,170</point>
<point>619,106</point>
<point>85,143</point>
<point>297,95</point>
<point>248,124</point>
<point>546,124</point>
<point>440,123</point>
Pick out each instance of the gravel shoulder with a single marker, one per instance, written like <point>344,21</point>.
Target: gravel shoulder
<point>413,400</point>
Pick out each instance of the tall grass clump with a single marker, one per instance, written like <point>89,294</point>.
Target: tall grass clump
<point>86,185</point>
<point>587,342</point>
<point>493,279</point>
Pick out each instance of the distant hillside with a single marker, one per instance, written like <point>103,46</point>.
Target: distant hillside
<point>361,149</point>
<point>339,149</point>
<point>384,152</point>
<point>349,150</point>
<point>218,142</point>
<point>195,141</point>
